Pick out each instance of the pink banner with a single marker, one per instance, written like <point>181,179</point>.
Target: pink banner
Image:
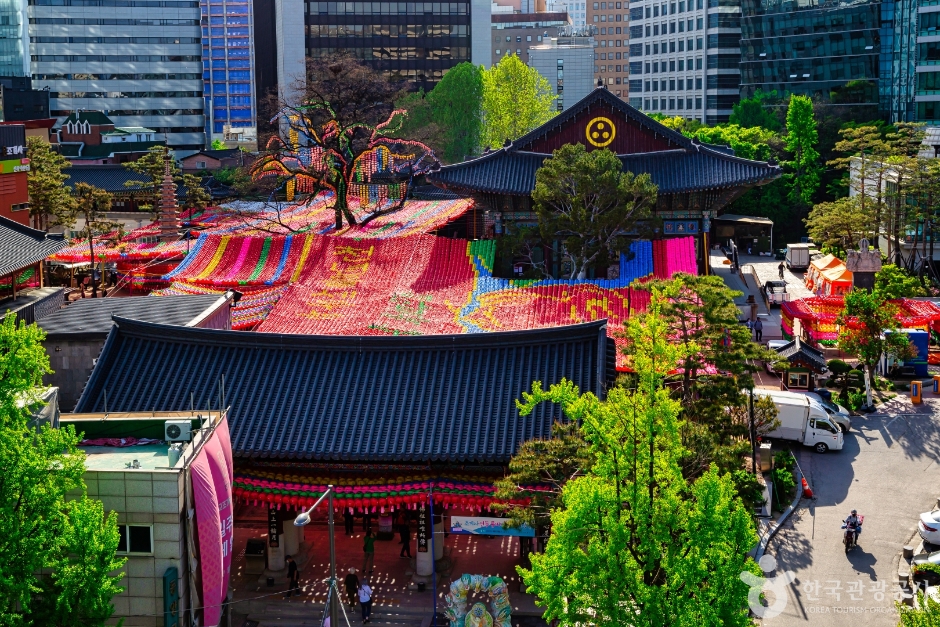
<point>223,490</point>
<point>211,473</point>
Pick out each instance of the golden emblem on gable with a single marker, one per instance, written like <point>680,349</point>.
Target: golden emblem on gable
<point>600,132</point>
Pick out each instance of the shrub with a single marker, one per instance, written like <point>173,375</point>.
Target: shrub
<point>782,478</point>
<point>749,488</point>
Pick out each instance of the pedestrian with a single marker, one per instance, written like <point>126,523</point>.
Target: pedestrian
<point>404,532</point>
<point>750,325</point>
<point>748,251</point>
<point>758,330</point>
<point>365,599</point>
<point>367,522</point>
<point>780,269</point>
<point>368,557</point>
<point>293,577</point>
<point>348,520</point>
<point>352,587</point>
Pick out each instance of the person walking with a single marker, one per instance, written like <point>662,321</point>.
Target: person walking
<point>365,600</point>
<point>348,520</point>
<point>758,330</point>
<point>780,269</point>
<point>293,577</point>
<point>368,551</point>
<point>352,587</point>
<point>404,532</point>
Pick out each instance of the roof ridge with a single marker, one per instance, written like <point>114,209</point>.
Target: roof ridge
<point>30,231</point>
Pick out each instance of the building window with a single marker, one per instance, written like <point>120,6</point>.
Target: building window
<point>497,51</point>
<point>135,539</point>
<point>200,165</point>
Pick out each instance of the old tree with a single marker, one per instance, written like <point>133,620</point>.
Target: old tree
<point>337,132</point>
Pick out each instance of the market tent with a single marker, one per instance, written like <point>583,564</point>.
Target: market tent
<point>835,281</point>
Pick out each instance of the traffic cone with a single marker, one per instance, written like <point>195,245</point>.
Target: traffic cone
<point>807,493</point>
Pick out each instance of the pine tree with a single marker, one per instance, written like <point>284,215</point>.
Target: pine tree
<point>50,202</point>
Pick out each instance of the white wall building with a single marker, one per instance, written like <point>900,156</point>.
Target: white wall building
<point>568,65</point>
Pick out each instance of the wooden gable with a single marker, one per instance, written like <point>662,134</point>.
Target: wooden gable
<point>601,123</point>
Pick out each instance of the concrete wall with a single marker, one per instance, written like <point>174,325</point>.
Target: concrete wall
<point>145,497</point>
<point>72,362</point>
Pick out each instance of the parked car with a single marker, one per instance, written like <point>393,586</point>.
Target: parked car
<point>776,292</point>
<point>839,414</point>
<point>773,345</point>
<point>929,526</point>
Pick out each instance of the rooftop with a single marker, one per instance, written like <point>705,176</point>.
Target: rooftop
<point>93,316</point>
<point>149,456</point>
<point>21,246</point>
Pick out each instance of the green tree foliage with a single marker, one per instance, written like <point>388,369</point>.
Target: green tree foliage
<point>840,224</point>
<point>749,143</point>
<point>717,362</point>
<point>92,205</point>
<point>550,463</point>
<point>50,202</point>
<point>925,613</point>
<point>892,282</point>
<point>753,112</point>
<point>218,144</point>
<point>588,204</point>
<point>153,166</point>
<point>57,556</point>
<point>634,542</point>
<point>456,104</point>
<point>866,337</point>
<point>801,141</point>
<point>516,99</point>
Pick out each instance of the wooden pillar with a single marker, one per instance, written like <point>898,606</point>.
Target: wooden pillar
<point>41,266</point>
<point>13,283</point>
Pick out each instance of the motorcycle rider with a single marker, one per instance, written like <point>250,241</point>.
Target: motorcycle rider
<point>854,523</point>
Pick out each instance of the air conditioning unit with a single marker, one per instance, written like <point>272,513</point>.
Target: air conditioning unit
<point>178,430</point>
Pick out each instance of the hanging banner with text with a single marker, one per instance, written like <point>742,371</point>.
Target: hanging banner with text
<point>424,524</point>
<point>487,527</point>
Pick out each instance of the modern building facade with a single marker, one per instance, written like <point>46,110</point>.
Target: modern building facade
<point>567,63</point>
<point>828,52</point>
<point>515,33</point>
<point>610,21</point>
<point>20,102</point>
<point>684,58</point>
<point>140,61</point>
<point>927,76</point>
<point>576,10</point>
<point>418,42</point>
<point>14,38</point>
<point>228,70</point>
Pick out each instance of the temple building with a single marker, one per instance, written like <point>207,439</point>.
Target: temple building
<point>696,181</point>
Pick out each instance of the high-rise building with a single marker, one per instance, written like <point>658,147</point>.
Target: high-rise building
<point>611,23</point>
<point>228,70</point>
<point>418,42</point>
<point>684,57</point>
<point>139,61</point>
<point>927,87</point>
<point>14,38</point>
<point>515,33</point>
<point>576,10</point>
<point>567,62</point>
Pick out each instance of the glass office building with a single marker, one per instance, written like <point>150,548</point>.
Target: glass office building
<point>14,38</point>
<point>927,89</point>
<point>845,53</point>
<point>228,71</point>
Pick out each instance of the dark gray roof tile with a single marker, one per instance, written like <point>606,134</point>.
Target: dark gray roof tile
<point>21,246</point>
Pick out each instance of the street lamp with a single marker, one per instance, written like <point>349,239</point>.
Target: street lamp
<point>333,591</point>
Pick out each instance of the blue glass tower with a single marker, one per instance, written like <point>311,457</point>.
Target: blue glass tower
<point>228,71</point>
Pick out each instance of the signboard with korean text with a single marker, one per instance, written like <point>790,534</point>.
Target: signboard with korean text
<point>272,527</point>
<point>487,527</point>
<point>171,597</point>
<point>424,531</point>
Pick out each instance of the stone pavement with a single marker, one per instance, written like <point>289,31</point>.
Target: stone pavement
<point>463,554</point>
<point>888,470</point>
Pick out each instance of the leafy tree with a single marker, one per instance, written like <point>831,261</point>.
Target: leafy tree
<point>868,329</point>
<point>925,613</point>
<point>57,556</point>
<point>338,133</point>
<point>153,166</point>
<point>868,148</point>
<point>801,141</point>
<point>841,223</point>
<point>92,204</point>
<point>687,126</point>
<point>755,143</point>
<point>892,282</point>
<point>718,360</point>
<point>635,543</point>
<point>516,99</point>
<point>218,144</point>
<point>549,463</point>
<point>50,201</point>
<point>588,204</point>
<point>753,112</point>
<point>457,108</point>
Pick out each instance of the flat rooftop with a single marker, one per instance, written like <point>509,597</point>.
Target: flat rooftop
<point>149,456</point>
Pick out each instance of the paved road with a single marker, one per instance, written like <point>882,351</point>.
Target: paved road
<point>890,471</point>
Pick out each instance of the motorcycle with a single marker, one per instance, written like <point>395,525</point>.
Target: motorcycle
<point>849,538</point>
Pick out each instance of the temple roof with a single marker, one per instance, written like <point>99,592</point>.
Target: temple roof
<point>799,352</point>
<point>21,246</point>
<point>674,162</point>
<point>361,398</point>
